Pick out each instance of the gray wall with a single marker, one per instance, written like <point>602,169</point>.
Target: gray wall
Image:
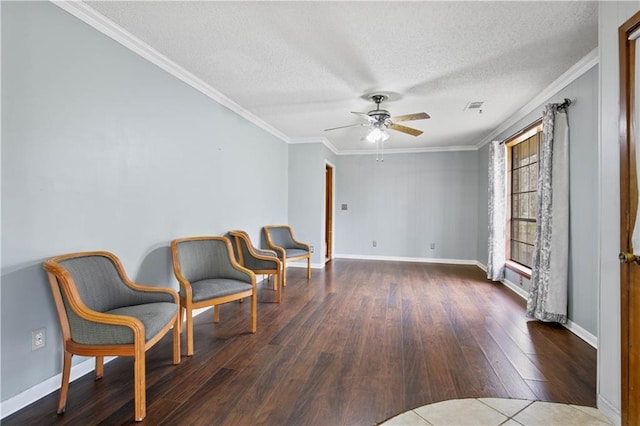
<point>583,253</point>
<point>103,150</point>
<point>406,203</point>
<point>306,194</point>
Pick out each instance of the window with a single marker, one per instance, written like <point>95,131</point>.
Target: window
<point>522,178</point>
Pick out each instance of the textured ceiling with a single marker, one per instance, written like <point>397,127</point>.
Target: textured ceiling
<point>303,66</point>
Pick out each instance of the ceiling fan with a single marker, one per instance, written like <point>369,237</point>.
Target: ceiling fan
<point>380,120</point>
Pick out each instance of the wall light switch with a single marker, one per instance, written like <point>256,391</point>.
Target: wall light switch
<point>344,207</point>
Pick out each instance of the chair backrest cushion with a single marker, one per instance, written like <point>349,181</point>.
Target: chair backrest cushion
<point>281,236</point>
<point>249,261</point>
<point>99,284</point>
<point>204,260</point>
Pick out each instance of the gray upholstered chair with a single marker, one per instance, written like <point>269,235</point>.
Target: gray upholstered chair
<point>209,275</point>
<point>258,260</point>
<point>280,239</point>
<point>102,312</point>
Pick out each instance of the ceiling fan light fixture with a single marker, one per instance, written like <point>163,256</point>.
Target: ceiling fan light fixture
<point>377,135</point>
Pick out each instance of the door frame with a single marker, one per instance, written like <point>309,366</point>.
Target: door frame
<point>629,272</point>
<point>328,222</point>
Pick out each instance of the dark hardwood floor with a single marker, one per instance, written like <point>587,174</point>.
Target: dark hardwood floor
<point>359,343</point>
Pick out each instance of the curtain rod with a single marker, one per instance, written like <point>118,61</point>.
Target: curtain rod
<point>563,106</point>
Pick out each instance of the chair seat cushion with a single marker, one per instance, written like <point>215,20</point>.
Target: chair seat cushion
<point>295,253</point>
<point>217,287</point>
<point>154,316</point>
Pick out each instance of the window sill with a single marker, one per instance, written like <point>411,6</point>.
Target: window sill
<point>519,269</point>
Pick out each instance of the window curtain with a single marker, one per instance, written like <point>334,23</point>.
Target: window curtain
<point>497,211</point>
<point>548,293</point>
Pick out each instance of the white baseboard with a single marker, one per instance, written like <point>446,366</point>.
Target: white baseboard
<point>516,289</point>
<point>608,409</point>
<point>304,265</point>
<point>50,385</point>
<point>582,333</point>
<point>570,325</point>
<point>407,259</point>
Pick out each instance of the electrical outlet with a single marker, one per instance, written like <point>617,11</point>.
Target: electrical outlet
<point>311,249</point>
<point>375,243</point>
<point>433,246</point>
<point>38,339</point>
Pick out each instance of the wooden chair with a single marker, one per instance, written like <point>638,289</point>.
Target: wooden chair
<point>103,313</point>
<point>258,260</point>
<point>210,276</point>
<point>280,238</point>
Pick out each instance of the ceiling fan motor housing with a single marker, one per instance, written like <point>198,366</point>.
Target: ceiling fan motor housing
<point>381,117</point>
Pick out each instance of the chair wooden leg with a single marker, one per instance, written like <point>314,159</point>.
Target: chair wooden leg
<point>99,367</point>
<point>277,283</point>
<point>189,331</point>
<point>64,389</point>
<point>216,314</point>
<point>176,338</point>
<point>309,267</point>
<point>139,385</point>
<point>254,312</point>
<point>284,272</point>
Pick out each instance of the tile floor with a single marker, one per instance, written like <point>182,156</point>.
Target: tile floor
<point>497,411</point>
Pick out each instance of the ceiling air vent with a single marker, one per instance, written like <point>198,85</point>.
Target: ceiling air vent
<point>473,106</point>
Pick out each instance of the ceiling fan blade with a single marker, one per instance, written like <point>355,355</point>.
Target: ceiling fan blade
<point>365,115</point>
<point>409,117</point>
<point>405,129</point>
<point>344,127</point>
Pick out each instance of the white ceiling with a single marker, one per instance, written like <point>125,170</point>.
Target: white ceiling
<point>301,67</point>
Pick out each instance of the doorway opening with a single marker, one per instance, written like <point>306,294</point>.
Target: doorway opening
<point>328,212</point>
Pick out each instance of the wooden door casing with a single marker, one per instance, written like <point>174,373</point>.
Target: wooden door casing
<point>629,272</point>
<point>328,184</point>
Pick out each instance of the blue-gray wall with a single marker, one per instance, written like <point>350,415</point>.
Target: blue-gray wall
<point>307,162</point>
<point>583,252</point>
<point>102,150</point>
<point>406,203</point>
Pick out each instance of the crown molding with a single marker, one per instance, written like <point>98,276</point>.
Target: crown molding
<point>411,150</point>
<point>323,140</point>
<point>590,60</point>
<point>109,28</point>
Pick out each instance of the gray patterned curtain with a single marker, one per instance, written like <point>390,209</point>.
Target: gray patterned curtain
<point>548,294</point>
<point>497,211</point>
